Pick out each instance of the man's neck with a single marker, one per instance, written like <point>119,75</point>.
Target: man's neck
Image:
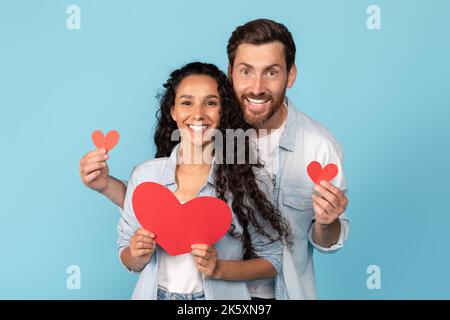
<point>276,120</point>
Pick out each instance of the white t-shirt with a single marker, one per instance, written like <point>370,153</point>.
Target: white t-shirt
<point>179,274</point>
<point>268,154</point>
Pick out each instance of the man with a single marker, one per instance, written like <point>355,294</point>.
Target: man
<point>261,67</point>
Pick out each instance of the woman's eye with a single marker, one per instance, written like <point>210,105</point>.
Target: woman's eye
<point>186,103</point>
<point>211,103</point>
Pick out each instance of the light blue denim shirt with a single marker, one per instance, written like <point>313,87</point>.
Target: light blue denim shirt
<point>304,140</point>
<point>162,171</point>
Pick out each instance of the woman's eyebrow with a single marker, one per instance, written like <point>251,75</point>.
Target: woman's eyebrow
<point>186,96</point>
<point>211,96</point>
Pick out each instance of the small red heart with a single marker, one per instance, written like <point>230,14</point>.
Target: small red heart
<point>317,174</point>
<point>203,220</point>
<point>107,142</point>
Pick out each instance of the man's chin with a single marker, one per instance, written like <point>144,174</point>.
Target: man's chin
<point>255,121</point>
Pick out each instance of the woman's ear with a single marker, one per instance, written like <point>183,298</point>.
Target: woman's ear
<point>172,113</point>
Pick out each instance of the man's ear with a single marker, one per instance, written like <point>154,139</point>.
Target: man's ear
<point>292,75</point>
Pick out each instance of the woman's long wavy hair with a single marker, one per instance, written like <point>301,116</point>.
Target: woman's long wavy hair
<point>235,182</point>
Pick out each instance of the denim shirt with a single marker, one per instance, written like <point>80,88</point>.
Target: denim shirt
<point>162,171</point>
<point>302,141</point>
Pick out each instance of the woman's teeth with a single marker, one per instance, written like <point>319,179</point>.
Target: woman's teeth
<point>256,101</point>
<point>198,128</point>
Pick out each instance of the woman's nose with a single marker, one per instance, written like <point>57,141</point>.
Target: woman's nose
<point>198,112</point>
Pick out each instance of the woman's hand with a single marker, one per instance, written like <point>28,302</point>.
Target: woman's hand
<point>205,259</point>
<point>142,246</point>
<point>94,171</point>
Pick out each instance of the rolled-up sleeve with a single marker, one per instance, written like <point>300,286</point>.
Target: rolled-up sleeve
<point>345,229</point>
<point>128,223</point>
<point>265,248</point>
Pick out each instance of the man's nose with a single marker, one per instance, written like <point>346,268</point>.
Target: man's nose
<point>257,86</point>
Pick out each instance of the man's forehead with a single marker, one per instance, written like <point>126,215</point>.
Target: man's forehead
<point>260,55</point>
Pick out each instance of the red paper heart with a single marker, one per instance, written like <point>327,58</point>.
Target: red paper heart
<point>107,142</point>
<point>203,220</point>
<point>317,174</point>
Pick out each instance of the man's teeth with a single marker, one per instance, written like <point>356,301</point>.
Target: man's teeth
<point>255,101</point>
<point>198,128</point>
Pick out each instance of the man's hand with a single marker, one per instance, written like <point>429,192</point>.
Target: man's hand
<point>94,171</point>
<point>205,259</point>
<point>329,204</point>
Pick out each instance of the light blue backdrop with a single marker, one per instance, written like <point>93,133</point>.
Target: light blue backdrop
<point>385,94</point>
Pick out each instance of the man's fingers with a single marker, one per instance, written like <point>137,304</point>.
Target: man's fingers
<point>330,197</point>
<point>98,158</point>
<point>92,176</point>
<point>318,207</point>
<point>93,167</point>
<point>91,154</point>
<point>335,190</point>
<point>321,216</point>
<point>324,204</point>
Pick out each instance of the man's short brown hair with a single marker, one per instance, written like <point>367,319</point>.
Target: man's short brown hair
<point>262,31</point>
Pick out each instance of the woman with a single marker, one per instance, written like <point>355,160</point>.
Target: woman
<point>199,102</point>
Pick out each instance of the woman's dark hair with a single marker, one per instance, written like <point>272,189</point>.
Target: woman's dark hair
<point>235,182</point>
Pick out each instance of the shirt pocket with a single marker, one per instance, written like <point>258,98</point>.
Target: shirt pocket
<point>298,208</point>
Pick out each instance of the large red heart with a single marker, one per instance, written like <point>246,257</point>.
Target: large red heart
<point>108,142</point>
<point>317,174</point>
<point>203,220</point>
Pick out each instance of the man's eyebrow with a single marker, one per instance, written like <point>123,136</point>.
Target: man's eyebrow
<point>274,66</point>
<point>246,65</point>
<point>267,67</point>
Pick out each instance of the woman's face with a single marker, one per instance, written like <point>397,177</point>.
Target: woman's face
<point>197,108</point>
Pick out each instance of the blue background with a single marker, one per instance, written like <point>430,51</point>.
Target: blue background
<point>383,93</point>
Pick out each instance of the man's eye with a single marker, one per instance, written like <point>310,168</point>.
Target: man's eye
<point>272,73</point>
<point>245,72</point>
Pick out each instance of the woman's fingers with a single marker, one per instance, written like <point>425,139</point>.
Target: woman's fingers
<point>144,245</point>
<point>145,233</point>
<point>142,252</point>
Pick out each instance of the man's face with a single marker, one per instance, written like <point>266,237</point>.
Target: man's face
<point>260,78</point>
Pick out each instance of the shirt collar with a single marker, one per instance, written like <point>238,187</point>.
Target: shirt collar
<point>168,176</point>
<point>287,140</point>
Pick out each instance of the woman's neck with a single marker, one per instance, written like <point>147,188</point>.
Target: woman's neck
<point>195,156</point>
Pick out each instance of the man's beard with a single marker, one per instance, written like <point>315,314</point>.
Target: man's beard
<point>258,122</point>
